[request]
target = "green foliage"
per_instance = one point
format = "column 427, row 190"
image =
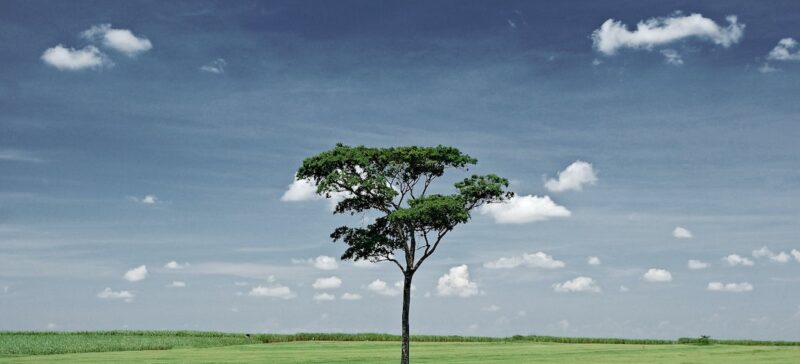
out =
column 394, row 183
column 41, row 343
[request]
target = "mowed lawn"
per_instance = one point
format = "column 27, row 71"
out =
column 429, row 352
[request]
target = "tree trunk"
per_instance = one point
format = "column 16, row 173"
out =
column 404, row 358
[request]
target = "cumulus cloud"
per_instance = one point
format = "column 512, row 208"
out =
column 324, row 262
column 593, row 261
column 796, row 255
column 382, row 288
column 613, row 35
column 71, row 59
column 301, row 190
column 764, row 252
column 535, row 260
column 177, row 284
column 324, row 297
column 327, row 283
column 786, row 50
column 146, row 200
column 579, row 284
column 697, row 264
column 657, row 275
column 350, row 296
column 276, row 291
column 574, row 177
column 524, row 209
column 216, row 66
column 136, row 274
column 122, row 40
column 730, row 287
column 108, row 294
column 735, row 260
column 456, row 283
column 175, row 265
column 681, row 233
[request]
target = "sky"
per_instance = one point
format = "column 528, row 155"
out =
column 148, row 152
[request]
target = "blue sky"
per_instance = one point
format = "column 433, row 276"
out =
column 143, row 133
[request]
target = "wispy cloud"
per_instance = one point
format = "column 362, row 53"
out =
column 730, row 287
column 787, row 49
column 13, row 155
column 216, row 66
column 108, row 294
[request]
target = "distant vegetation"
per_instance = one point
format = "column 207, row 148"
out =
column 41, row 343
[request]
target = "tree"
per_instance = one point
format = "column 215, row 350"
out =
column 395, row 184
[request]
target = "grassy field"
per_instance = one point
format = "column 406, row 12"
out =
column 195, row 347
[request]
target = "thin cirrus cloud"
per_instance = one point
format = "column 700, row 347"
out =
column 71, row 59
column 656, row 275
column 136, row 274
column 613, row 35
column 121, row 40
column 535, row 260
column 574, row 177
column 578, row 284
column 456, row 283
column 524, row 209
column 730, row 287
column 13, row 155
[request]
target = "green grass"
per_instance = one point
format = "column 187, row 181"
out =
column 438, row 352
column 191, row 346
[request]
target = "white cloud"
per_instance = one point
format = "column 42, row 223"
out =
column 324, row 262
column 574, row 177
column 136, row 274
column 697, row 264
column 121, row 40
column 491, row 308
column 456, row 283
column 177, row 284
column 108, row 294
column 276, row 291
column 327, row 283
column 623, row 289
column 380, row 287
column 324, row 297
column 593, row 261
column 613, row 35
column 781, row 257
column 216, row 66
column 657, row 275
column 735, row 259
column 730, row 287
column 71, row 59
column 146, row 200
column 787, row 49
column 672, row 57
column 175, row 265
column 796, row 255
column 301, row 190
column 361, row 263
column 524, row 209
column 350, row 296
column 579, row 284
column 766, row 68
column 535, row 260
column 681, row 233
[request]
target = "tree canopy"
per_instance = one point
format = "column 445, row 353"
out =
column 395, row 183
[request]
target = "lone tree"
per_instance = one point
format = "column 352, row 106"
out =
column 394, row 183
